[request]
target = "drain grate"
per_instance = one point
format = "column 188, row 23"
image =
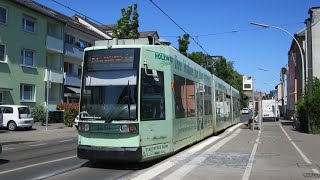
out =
column 311, row 175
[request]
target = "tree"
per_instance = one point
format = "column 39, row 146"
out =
column 127, row 27
column 199, row 57
column 183, row 44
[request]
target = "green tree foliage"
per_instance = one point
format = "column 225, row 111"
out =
column 200, row 58
column 183, row 44
column 312, row 103
column 127, row 27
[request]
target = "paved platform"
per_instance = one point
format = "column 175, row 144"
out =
column 276, row 152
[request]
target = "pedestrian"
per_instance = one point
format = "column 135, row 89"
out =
column 252, row 117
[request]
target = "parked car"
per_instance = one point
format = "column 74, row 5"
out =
column 16, row 116
column 82, row 114
column 245, row 110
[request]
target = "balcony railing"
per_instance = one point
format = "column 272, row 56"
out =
column 55, row 76
column 71, row 80
column 54, row 44
column 73, row 51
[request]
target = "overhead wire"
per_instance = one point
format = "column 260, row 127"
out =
column 234, row 31
column 178, row 26
column 85, row 16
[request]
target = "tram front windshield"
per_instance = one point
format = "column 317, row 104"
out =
column 109, row 84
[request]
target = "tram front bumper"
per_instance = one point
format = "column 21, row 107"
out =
column 110, row 154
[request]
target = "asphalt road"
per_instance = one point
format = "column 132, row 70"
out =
column 56, row 159
column 36, row 160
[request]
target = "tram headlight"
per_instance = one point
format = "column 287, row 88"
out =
column 124, row 128
column 128, row 128
column 84, row 127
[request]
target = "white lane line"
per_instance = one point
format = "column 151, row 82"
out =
column 299, row 150
column 247, row 172
column 6, row 148
column 156, row 170
column 66, row 140
column 38, row 164
column 33, row 145
column 185, row 169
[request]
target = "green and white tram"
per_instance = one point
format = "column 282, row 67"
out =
column 148, row 101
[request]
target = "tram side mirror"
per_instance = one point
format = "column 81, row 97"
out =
column 155, row 75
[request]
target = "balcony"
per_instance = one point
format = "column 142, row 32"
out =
column 54, row 44
column 55, row 77
column 73, row 51
column 71, row 80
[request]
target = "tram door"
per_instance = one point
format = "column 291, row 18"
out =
column 200, row 91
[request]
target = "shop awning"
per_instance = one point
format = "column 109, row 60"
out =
column 74, row 90
column 5, row 89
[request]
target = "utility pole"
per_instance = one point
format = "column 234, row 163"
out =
column 253, row 106
column 310, row 70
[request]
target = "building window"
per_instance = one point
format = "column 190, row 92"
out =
column 83, row 44
column 27, row 57
column 1, row 98
column 69, row 39
column 70, row 68
column 2, row 53
column 152, row 97
column 29, row 24
column 3, row 15
column 27, row 92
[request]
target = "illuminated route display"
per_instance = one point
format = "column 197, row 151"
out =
column 111, row 59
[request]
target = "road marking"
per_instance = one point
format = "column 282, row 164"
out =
column 156, row 170
column 185, row 169
column 247, row 172
column 299, row 150
column 6, row 148
column 66, row 140
column 33, row 145
column 38, row 164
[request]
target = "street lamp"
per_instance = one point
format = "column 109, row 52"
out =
column 300, row 49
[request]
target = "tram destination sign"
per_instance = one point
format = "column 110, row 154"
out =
column 110, row 59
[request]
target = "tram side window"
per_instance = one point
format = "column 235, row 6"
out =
column 152, row 97
column 180, row 97
column 191, row 112
column 207, row 101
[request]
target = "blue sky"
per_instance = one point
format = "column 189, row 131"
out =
column 209, row 21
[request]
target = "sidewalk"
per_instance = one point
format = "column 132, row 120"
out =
column 245, row 154
column 37, row 133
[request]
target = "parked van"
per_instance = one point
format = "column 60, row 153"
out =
column 15, row 116
column 270, row 109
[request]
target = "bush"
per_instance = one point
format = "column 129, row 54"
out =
column 71, row 111
column 39, row 113
column 313, row 103
column 69, row 115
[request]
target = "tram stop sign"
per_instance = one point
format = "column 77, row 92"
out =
column 247, row 83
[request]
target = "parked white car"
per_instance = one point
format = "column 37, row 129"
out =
column 83, row 115
column 245, row 111
column 15, row 116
